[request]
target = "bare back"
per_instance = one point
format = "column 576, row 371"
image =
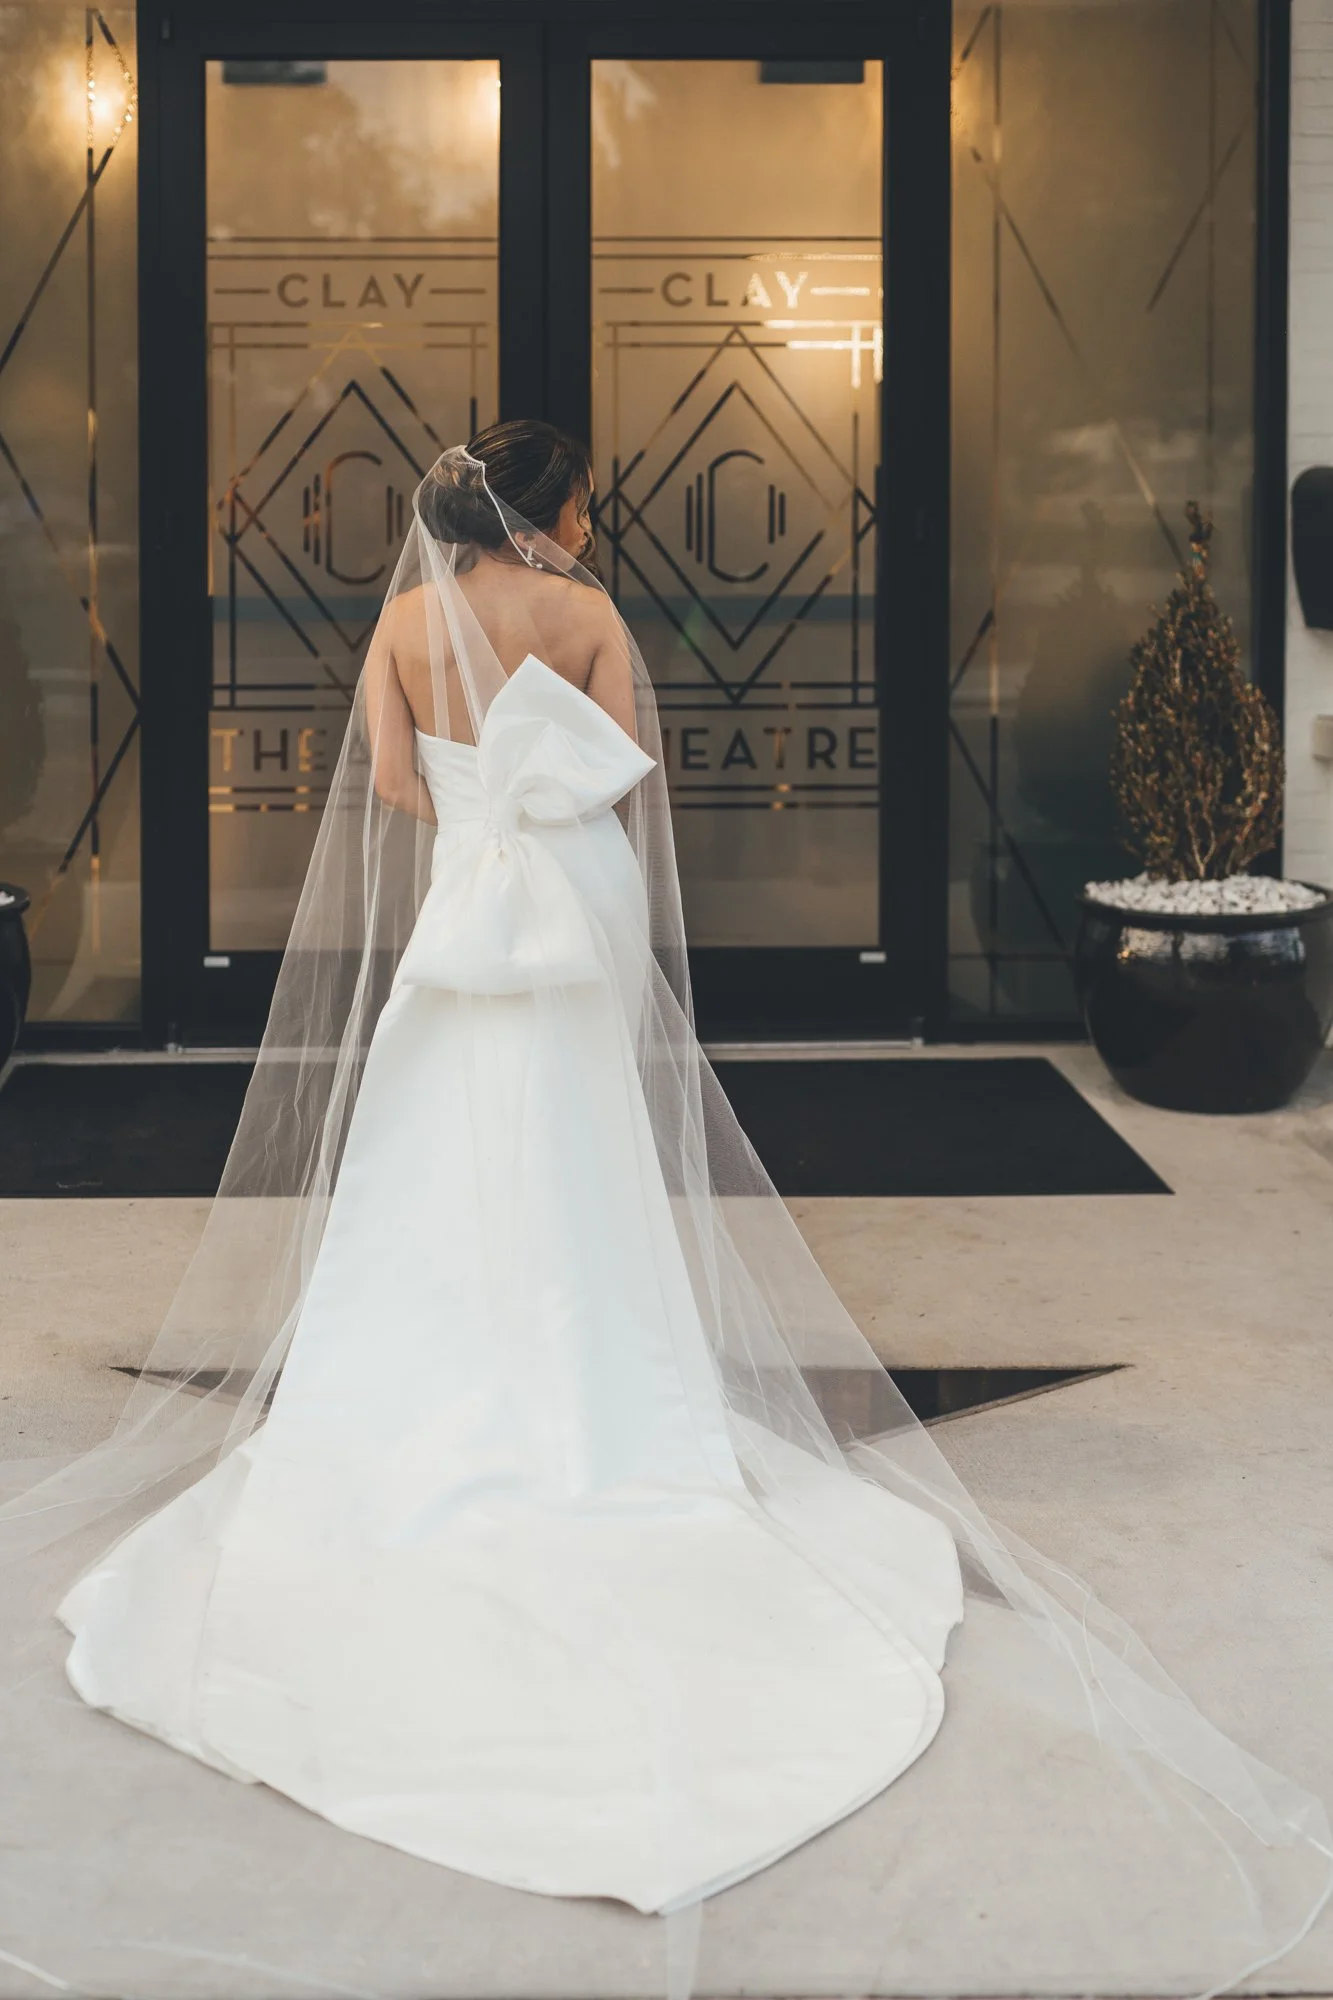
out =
column 522, row 610
column 570, row 626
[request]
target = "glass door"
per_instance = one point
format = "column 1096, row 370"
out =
column 323, row 206
column 757, row 412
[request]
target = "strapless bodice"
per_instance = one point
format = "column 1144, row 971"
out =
column 546, row 753
column 453, row 777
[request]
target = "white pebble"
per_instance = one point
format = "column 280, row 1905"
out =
column 1236, row 895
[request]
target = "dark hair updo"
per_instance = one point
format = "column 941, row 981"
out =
column 530, row 466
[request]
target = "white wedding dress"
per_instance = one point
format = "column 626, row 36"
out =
column 489, row 1584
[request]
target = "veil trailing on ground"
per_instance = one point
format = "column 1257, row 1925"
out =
column 1076, row 1826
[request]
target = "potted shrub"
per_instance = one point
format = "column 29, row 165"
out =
column 1204, row 987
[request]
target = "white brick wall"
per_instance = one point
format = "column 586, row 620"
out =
column 1308, row 848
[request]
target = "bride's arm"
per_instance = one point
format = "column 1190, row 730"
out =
column 391, row 730
column 610, row 680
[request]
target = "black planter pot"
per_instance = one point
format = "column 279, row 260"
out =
column 15, row 968
column 1207, row 1013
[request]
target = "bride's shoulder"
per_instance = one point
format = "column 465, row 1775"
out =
column 583, row 605
column 405, row 611
column 590, row 627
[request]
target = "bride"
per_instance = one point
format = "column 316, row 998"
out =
column 507, row 1484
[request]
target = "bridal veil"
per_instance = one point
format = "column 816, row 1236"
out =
column 1077, row 1825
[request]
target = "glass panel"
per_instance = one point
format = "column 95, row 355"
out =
column 352, row 218
column 737, row 306
column 69, row 642
column 1103, row 269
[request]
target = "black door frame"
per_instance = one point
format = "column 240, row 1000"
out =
column 545, row 47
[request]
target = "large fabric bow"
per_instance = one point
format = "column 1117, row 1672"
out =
column 501, row 914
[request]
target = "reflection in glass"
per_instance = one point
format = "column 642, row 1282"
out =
column 352, row 220
column 737, row 313
column 69, row 708
column 1103, row 273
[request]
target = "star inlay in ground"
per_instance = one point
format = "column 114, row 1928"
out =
column 859, row 1400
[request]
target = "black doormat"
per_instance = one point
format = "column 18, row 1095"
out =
column 107, row 1128
column 939, row 1126
column 946, row 1125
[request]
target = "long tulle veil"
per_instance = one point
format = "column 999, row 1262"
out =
column 1077, row 1825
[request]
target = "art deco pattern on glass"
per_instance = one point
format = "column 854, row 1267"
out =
column 1103, row 274
column 69, row 699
